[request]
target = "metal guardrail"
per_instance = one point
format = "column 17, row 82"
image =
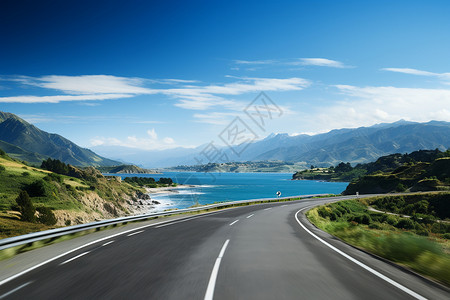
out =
column 58, row 232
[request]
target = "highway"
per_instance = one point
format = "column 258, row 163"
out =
column 266, row 251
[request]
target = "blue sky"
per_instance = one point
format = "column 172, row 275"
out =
column 156, row 75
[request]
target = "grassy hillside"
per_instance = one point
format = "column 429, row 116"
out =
column 72, row 200
column 22, row 155
column 420, row 242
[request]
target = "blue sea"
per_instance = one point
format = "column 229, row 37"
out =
column 208, row 188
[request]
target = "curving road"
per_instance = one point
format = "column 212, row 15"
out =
column 266, row 251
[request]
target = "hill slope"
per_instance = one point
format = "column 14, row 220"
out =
column 37, row 144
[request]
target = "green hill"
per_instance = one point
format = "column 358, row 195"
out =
column 418, row 171
column 20, row 154
column 84, row 196
column 34, row 145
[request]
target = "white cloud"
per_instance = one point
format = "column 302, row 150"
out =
column 321, row 62
column 205, row 97
column 103, row 87
column 366, row 106
column 61, row 98
column 168, row 140
column 443, row 76
column 92, row 84
column 152, row 134
column 150, row 142
column 255, row 62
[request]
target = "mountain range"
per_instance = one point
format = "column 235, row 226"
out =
column 358, row 145
column 24, row 141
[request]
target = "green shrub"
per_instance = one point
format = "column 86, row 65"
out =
column 54, row 177
column 405, row 224
column 391, row 220
column 46, row 216
column 361, row 218
column 25, row 174
column 2, row 168
column 37, row 189
column 400, row 188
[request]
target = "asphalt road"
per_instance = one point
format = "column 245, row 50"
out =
column 266, row 251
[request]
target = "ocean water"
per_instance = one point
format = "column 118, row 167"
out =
column 209, row 188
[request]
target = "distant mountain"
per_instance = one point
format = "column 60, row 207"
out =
column 358, row 145
column 25, row 141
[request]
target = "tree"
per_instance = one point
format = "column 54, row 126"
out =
column 26, row 207
column 343, row 167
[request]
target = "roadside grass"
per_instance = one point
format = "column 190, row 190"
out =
column 426, row 255
column 10, row 224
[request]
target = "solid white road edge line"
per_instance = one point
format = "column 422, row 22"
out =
column 376, row 273
column 250, row 216
column 15, row 290
column 137, row 232
column 212, row 280
column 73, row 258
column 81, row 247
column 231, row 224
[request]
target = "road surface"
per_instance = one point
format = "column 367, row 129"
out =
column 267, row 251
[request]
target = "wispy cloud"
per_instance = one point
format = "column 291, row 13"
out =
column 255, row 62
column 61, row 98
column 321, row 62
column 205, row 97
column 251, row 65
column 195, row 96
column 443, row 76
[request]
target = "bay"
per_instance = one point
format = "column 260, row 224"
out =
column 208, row 188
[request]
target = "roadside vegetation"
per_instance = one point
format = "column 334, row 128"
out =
column 420, row 241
